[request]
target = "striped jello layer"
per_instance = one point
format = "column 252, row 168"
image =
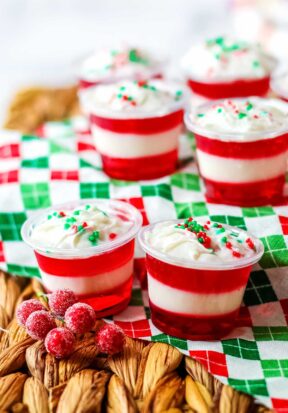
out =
column 243, row 173
column 138, row 149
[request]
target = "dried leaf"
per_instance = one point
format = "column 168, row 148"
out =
column 232, row 401
column 158, row 359
column 11, row 388
column 13, row 358
column 119, row 395
column 126, row 364
column 197, row 396
column 9, row 293
column 168, row 393
column 35, row 396
column 4, row 321
column 84, row 392
column 19, row 408
column 54, row 396
column 35, row 359
column 201, row 375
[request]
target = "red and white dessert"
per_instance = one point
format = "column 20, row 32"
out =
column 136, row 126
column 223, row 67
column 197, row 274
column 242, row 149
column 87, row 247
column 111, row 65
column 279, row 85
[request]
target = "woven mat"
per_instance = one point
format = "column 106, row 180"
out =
column 61, row 164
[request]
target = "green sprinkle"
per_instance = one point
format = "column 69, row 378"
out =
column 220, row 230
column 234, row 234
column 241, row 115
column 179, row 92
column 119, row 96
column 49, row 217
column 122, row 88
column 67, row 226
column 114, row 52
column 130, row 98
column 200, row 115
column 152, row 88
column 94, row 237
column 70, row 220
column 214, row 225
column 219, row 110
column 201, row 240
column 55, row 214
column 217, row 56
column 249, row 106
column 77, row 212
column 224, row 240
column 80, row 228
column 87, row 206
column 256, row 63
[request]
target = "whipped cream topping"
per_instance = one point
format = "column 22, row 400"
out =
column 200, row 241
column 83, row 227
column 119, row 63
column 134, row 97
column 223, row 58
column 241, row 116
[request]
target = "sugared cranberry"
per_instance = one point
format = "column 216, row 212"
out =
column 39, row 324
column 110, row 339
column 60, row 342
column 60, row 301
column 80, row 318
column 26, row 308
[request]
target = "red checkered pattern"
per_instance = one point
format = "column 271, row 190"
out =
column 280, row 404
column 2, row 257
column 135, row 329
column 9, row 177
column 84, row 146
column 284, row 224
column 214, row 362
column 10, row 151
column 139, row 204
column 65, row 175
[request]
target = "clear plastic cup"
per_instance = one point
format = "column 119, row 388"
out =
column 100, row 275
column 136, row 146
column 279, row 85
column 196, row 300
column 238, row 171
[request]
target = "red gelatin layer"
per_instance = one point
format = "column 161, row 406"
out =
column 146, row 167
column 236, row 88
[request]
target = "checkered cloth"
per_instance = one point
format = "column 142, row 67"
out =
column 61, row 164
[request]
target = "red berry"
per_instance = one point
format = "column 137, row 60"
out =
column 26, row 308
column 39, row 324
column 110, row 339
column 60, row 342
column 60, row 301
column 80, row 318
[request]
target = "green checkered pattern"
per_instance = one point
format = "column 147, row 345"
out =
column 62, row 165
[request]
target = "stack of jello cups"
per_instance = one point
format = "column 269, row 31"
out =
column 197, row 275
column 222, row 68
column 111, row 65
column 88, row 247
column 242, row 149
column 136, row 127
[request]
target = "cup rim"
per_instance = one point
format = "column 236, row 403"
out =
column 180, row 262
column 66, row 253
column 235, row 136
column 88, row 107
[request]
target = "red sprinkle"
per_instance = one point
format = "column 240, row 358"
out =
column 112, row 235
column 84, row 225
column 250, row 243
column 74, row 228
column 62, row 214
column 205, row 227
column 228, row 245
column 142, row 83
column 236, row 254
column 190, row 219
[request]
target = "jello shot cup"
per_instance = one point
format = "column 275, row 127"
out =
column 224, row 68
column 124, row 62
column 136, row 127
column 88, row 247
column 195, row 291
column 242, row 150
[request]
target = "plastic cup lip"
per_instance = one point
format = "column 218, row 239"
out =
column 69, row 253
column 194, row 265
column 89, row 107
column 275, row 85
column 270, row 61
column 236, row 136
